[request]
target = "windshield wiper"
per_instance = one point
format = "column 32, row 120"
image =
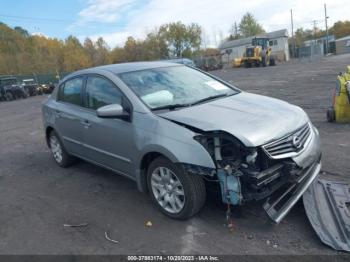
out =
column 171, row 107
column 209, row 98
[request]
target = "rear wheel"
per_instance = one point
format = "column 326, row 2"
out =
column 9, row 96
column 60, row 155
column 177, row 194
column 272, row 62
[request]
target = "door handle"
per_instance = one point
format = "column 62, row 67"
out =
column 86, row 123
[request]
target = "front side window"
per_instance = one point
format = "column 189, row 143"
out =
column 174, row 85
column 71, row 92
column 101, row 92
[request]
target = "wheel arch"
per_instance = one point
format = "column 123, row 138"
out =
column 146, row 159
column 48, row 130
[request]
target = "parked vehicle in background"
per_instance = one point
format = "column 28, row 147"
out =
column 209, row 63
column 258, row 54
column 30, row 86
column 47, row 88
column 11, row 88
column 171, row 127
column 184, row 61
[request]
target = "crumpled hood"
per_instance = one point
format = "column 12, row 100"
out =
column 253, row 119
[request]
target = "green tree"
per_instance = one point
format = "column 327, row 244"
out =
column 74, row 56
column 102, row 52
column 90, row 50
column 181, row 39
column 340, row 29
column 249, row 26
column 21, row 31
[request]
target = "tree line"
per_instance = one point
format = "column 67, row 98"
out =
column 22, row 53
column 249, row 26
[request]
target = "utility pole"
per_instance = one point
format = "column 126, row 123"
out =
column 293, row 39
column 236, row 31
column 315, row 24
column 326, row 18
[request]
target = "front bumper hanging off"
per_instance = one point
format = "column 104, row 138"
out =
column 281, row 202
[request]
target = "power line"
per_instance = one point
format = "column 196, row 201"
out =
column 36, row 18
column 42, row 20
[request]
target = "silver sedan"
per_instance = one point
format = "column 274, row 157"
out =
column 171, row 127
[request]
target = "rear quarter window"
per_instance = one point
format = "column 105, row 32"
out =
column 71, row 91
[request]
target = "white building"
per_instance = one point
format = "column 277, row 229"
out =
column 278, row 41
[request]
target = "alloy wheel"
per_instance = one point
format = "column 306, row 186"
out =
column 167, row 190
column 56, row 149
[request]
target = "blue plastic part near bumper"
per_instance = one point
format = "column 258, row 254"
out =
column 230, row 188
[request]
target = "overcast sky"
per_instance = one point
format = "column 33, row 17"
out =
column 114, row 20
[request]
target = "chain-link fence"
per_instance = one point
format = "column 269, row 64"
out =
column 43, row 78
column 311, row 52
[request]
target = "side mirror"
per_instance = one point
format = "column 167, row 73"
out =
column 112, row 111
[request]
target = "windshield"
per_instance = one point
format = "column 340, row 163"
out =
column 28, row 82
column 260, row 42
column 178, row 85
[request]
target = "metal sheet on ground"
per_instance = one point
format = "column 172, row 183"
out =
column 327, row 205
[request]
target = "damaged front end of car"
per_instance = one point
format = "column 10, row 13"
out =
column 279, row 171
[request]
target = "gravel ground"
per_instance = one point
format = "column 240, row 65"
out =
column 37, row 197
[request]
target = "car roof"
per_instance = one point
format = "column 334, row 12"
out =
column 128, row 67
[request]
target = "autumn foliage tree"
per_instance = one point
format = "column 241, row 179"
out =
column 22, row 53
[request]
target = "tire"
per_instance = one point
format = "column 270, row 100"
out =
column 24, row 95
column 26, row 92
column 9, row 96
column 272, row 62
column 191, row 192
column 330, row 115
column 61, row 157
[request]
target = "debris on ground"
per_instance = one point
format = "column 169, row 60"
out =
column 327, row 205
column 78, row 225
column 110, row 239
column 148, row 224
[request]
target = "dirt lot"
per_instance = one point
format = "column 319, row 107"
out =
column 37, row 197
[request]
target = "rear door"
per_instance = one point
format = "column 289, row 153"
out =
column 109, row 141
column 69, row 123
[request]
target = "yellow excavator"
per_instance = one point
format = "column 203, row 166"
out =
column 258, row 54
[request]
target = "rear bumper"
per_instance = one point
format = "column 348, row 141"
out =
column 283, row 202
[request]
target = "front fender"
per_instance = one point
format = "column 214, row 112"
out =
column 171, row 140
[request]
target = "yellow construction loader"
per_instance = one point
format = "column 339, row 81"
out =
column 340, row 109
column 258, row 54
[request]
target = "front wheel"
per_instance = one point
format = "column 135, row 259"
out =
column 176, row 193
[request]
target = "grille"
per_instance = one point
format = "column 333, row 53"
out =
column 289, row 145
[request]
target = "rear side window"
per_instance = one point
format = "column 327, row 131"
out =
column 101, row 92
column 71, row 92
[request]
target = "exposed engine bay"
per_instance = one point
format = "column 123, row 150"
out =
column 248, row 174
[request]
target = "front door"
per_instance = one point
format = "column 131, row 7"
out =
column 109, row 141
